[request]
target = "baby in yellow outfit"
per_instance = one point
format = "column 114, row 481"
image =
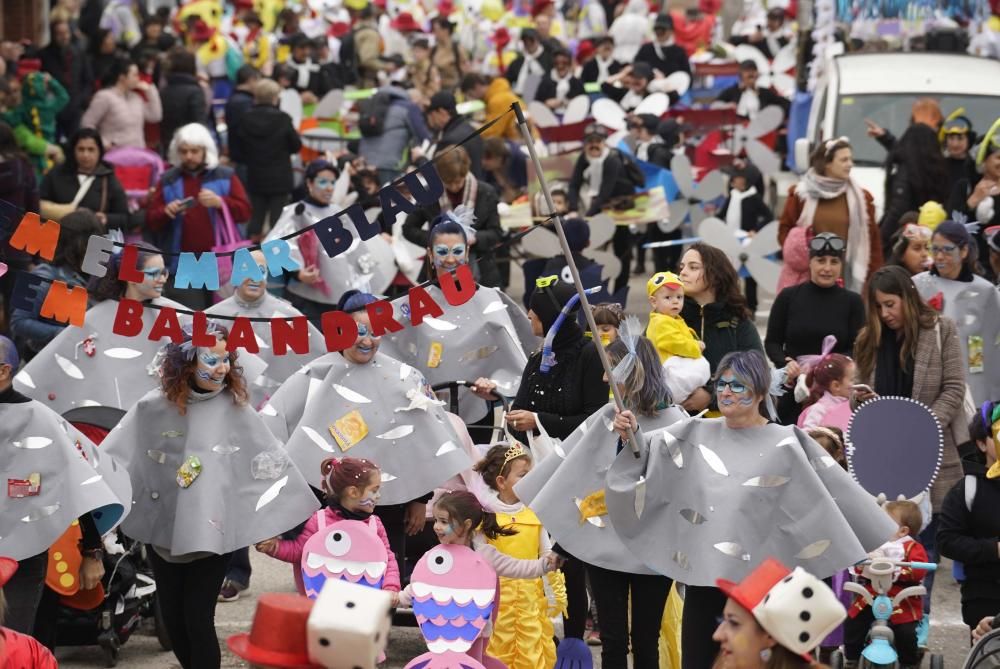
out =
column 680, row 351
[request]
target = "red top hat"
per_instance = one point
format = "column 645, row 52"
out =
column 278, row 636
column 338, row 29
column 405, row 23
column 445, row 8
column 584, row 50
column 539, row 6
column 751, row 591
column 202, row 32
column 7, row 568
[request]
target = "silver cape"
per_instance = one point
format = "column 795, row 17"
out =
column 705, row 502
column 378, row 411
column 279, row 367
column 975, row 308
column 121, row 370
column 556, row 488
column 75, row 478
column 248, row 490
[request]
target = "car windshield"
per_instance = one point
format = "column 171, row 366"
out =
column 892, row 112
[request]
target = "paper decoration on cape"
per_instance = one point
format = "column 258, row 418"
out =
column 975, row 308
column 335, row 408
column 608, row 113
column 746, row 138
column 749, row 255
column 454, row 592
column 545, row 244
column 54, row 475
column 154, row 440
column 656, row 104
column 349, row 550
column 716, row 501
column 290, row 102
column 331, row 105
column 576, row 109
column 678, row 82
column 693, row 196
column 777, row 74
column 894, row 447
column 552, row 486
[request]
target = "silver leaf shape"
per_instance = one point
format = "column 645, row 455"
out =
column 32, row 443
column 479, row 353
column 823, row 462
column 494, row 306
column 674, row 449
column 122, row 353
column 713, row 460
column 682, row 560
column 350, row 395
column 446, row 447
column 223, row 449
column 733, row 549
column 26, row 379
column 815, row 549
column 217, row 525
column 318, row 439
column 41, row 512
column 158, row 457
column 268, row 410
column 271, row 493
column 787, row 441
column 692, row 516
column 397, row 432
column 386, row 477
column 640, row 496
column 92, row 479
column 766, row 481
column 71, row 370
column 438, row 324
column 404, row 371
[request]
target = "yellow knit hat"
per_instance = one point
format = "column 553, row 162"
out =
column 661, row 279
column 932, row 214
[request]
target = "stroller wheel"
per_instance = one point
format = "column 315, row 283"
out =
column 836, row 660
column 161, row 627
column 111, row 647
column 937, row 661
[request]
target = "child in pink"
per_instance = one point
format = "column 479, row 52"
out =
column 829, row 402
column 352, row 491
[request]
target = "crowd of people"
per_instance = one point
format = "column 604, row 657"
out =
column 186, row 130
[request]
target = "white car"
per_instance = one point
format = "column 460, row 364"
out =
column 882, row 87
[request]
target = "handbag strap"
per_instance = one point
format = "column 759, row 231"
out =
column 82, row 191
column 226, row 232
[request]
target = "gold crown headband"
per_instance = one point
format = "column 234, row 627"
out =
column 514, row 452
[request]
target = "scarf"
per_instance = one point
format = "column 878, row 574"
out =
column 595, row 172
column 734, row 214
column 562, row 85
column 529, row 67
column 658, row 48
column 811, row 189
column 749, row 103
column 304, row 71
column 603, row 67
column 348, row 515
column 469, row 193
column 642, row 149
column 309, row 246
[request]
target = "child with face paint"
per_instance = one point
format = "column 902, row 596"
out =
column 352, row 492
column 608, row 318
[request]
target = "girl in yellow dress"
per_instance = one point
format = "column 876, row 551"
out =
column 523, row 633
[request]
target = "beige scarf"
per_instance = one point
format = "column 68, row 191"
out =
column 811, row 189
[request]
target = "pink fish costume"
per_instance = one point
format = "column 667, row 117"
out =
column 350, row 550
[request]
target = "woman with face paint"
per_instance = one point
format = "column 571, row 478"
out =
column 366, row 401
column 708, row 498
column 567, row 494
column 953, row 287
column 208, row 478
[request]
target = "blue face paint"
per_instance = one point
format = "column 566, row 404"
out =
column 213, row 360
column 736, row 387
column 154, row 273
column 206, row 376
column 442, row 252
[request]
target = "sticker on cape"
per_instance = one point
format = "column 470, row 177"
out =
column 188, row 472
column 348, row 550
column 434, row 356
column 29, row 487
column 349, row 430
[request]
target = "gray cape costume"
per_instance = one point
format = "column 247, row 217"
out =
column 705, row 502
column 121, row 370
column 975, row 308
column 279, row 367
column 557, row 487
column 247, row 490
column 335, row 408
column 75, row 478
column 488, row 336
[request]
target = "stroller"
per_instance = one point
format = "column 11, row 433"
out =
column 130, row 591
column 986, row 653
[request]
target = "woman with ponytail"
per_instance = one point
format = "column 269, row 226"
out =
column 828, row 378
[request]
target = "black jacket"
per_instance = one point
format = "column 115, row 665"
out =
column 455, row 131
column 572, row 390
column 183, row 102
column 767, row 97
column 267, row 141
column 614, row 183
column 970, row 537
column 487, row 226
column 674, row 58
column 514, row 69
column 547, row 89
column 590, row 71
column 761, row 46
column 238, row 104
column 61, row 184
column 901, row 196
column 754, row 212
column 71, row 68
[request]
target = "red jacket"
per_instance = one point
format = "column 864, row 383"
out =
column 910, row 609
column 20, row 651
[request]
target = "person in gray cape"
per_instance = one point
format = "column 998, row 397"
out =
column 363, row 403
column 208, row 478
column 566, row 491
column 55, row 476
column 711, row 498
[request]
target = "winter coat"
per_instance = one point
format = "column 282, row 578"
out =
column 106, row 194
column 239, row 103
column 267, row 141
column 183, row 102
column 455, row 131
column 404, row 126
column 547, row 89
column 902, row 196
column 674, row 58
column 498, row 98
column 614, row 183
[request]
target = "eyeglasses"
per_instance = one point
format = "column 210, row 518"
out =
column 946, row 249
column 443, row 250
column 826, row 243
column 154, row 273
column 212, row 360
column 734, row 386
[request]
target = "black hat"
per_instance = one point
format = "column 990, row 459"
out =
column 550, row 296
column 663, row 22
column 642, row 70
column 744, row 169
column 442, row 100
column 651, row 122
column 776, row 13
column 299, row 40
column 530, row 33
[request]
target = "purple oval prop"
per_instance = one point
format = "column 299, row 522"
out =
column 894, row 447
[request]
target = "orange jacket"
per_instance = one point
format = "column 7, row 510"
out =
column 499, row 98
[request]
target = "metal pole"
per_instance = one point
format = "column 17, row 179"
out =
column 577, row 282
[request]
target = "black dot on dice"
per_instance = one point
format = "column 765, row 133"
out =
column 766, row 598
column 804, row 637
column 805, row 616
column 807, row 592
column 350, row 605
column 439, row 560
column 337, row 536
column 324, row 642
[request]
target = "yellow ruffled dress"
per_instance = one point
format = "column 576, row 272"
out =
column 523, row 633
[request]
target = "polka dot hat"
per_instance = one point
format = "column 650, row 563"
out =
column 793, row 606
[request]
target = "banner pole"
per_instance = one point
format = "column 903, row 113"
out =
column 577, row 282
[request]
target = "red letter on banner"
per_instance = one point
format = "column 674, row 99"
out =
column 460, row 293
column 422, row 305
column 127, row 271
column 241, row 335
column 34, row 237
column 339, row 330
column 65, row 304
column 128, row 318
column 166, row 325
column 290, row 333
column 380, row 314
column 199, row 331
